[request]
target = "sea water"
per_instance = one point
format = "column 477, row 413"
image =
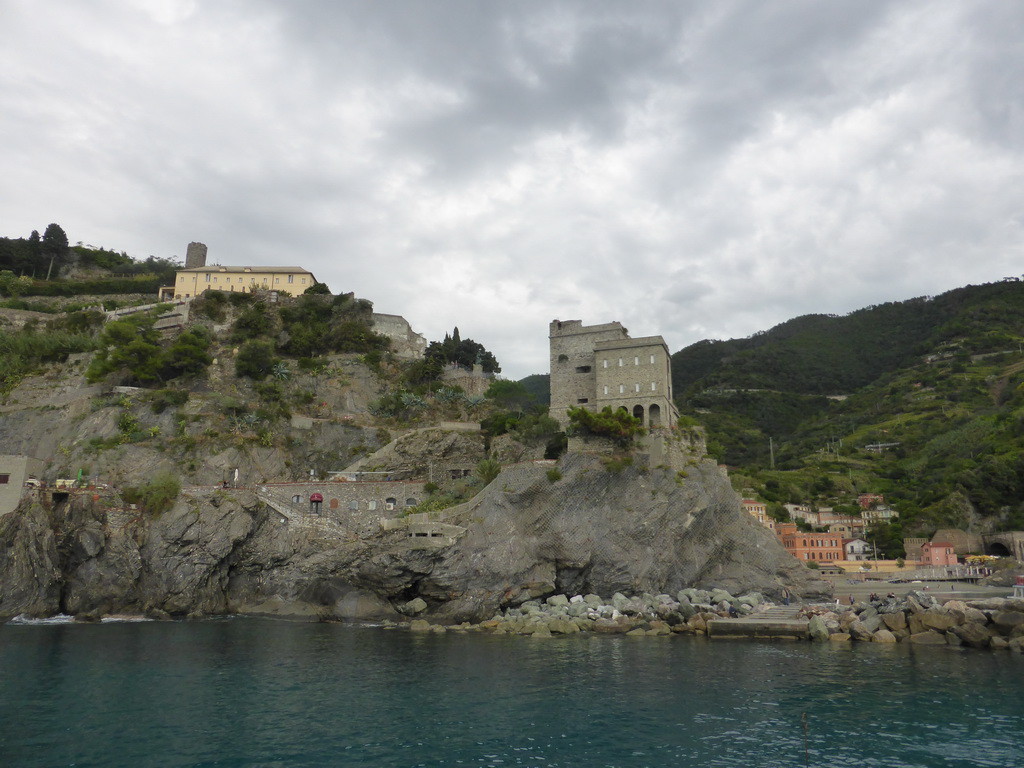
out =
column 245, row 692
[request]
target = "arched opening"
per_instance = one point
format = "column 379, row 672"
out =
column 390, row 502
column 638, row 413
column 998, row 549
column 624, row 409
column 334, row 503
column 654, row 415
column 315, row 500
column 410, row 502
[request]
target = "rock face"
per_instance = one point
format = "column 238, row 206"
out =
column 597, row 529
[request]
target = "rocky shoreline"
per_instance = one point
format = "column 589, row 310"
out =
column 917, row 619
column 920, row 619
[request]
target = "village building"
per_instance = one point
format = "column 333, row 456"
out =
column 759, row 511
column 857, row 550
column 196, row 278
column 600, row 365
column 938, row 553
column 15, row 470
column 810, row 547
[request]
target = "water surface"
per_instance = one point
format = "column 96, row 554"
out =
column 263, row 693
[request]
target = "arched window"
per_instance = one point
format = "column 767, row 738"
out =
column 410, row 502
column 638, row 413
column 390, row 503
column 654, row 415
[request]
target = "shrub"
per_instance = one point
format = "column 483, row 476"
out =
column 487, row 470
column 616, row 425
column 162, row 399
column 255, row 359
column 155, row 497
column 554, row 475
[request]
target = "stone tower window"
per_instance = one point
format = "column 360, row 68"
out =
column 620, row 362
column 582, row 369
column 654, row 386
column 583, row 400
column 605, row 362
column 652, row 359
column 606, row 388
column 622, row 388
column 637, row 387
column 636, row 361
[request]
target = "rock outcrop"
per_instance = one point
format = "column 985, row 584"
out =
column 590, row 527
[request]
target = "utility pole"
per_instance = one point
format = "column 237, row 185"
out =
column 771, row 451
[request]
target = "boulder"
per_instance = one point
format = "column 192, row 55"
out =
column 928, row 637
column 839, row 637
column 1016, row 645
column 895, row 621
column 858, row 631
column 817, row 630
column 557, row 601
column 1006, row 621
column 883, row 636
column 419, row 625
column 972, row 634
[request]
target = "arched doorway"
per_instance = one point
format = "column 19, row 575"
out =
column 654, row 415
column 638, row 413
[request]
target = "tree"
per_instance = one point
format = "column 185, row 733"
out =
column 255, row 359
column 464, row 352
column 618, row 426
column 55, row 246
column 317, row 289
column 13, row 286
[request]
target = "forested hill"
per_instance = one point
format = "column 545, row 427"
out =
column 931, row 413
column 830, row 354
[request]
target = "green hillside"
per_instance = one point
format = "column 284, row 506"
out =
column 936, row 385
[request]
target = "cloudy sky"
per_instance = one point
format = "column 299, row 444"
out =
column 694, row 169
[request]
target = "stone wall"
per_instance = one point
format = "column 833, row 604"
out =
column 573, row 378
column 14, row 470
column 404, row 340
column 195, row 255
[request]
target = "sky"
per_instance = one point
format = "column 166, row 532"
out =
column 698, row 170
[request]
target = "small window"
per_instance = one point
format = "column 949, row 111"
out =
column 207, row 277
column 652, row 359
column 654, row 386
column 277, row 280
column 296, row 499
column 371, row 505
column 622, row 388
column 637, row 388
column 354, row 506
column 390, row 503
column 291, row 278
column 636, row 361
column 604, row 362
column 5, row 479
column 582, row 369
column 620, row 362
column 583, row 400
column 606, row 389
column 410, row 502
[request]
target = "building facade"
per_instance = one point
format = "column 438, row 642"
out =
column 14, row 471
column 759, row 511
column 189, row 283
column 938, row 553
column 600, row 365
column 810, row 547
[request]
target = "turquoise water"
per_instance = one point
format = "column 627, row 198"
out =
column 262, row 693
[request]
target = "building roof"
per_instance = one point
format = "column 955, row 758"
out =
column 643, row 341
column 218, row 268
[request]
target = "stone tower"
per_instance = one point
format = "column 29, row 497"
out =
column 195, row 256
column 599, row 365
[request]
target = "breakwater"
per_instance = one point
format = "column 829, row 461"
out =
column 917, row 618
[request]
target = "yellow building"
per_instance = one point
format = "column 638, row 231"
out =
column 195, row 281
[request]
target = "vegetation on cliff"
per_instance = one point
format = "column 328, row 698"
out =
column 922, row 401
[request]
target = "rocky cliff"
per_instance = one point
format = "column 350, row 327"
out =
column 585, row 525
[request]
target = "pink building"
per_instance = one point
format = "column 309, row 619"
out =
column 938, row 553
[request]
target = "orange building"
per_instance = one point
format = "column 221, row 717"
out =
column 805, row 546
column 938, row 553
